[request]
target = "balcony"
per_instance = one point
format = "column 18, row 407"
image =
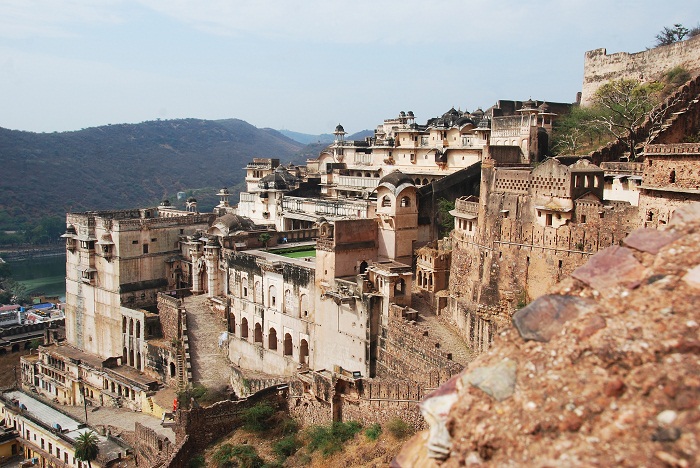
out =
column 358, row 182
column 467, row 207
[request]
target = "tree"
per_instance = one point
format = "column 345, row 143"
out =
column 576, row 132
column 622, row 105
column 446, row 221
column 264, row 238
column 86, row 448
column 670, row 35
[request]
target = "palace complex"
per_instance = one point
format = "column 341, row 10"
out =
column 334, row 279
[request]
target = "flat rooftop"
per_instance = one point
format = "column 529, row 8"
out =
column 70, row 427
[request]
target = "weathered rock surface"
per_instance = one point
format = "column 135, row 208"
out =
column 546, row 316
column 617, row 385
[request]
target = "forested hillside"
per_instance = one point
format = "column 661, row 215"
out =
column 44, row 175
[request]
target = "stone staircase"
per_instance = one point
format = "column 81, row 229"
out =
column 208, row 366
column 669, row 121
column 449, row 339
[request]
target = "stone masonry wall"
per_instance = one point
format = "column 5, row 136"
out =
column 169, row 312
column 409, row 352
column 599, row 67
column 673, row 166
column 203, row 425
column 367, row 401
column 512, row 259
column 150, row 448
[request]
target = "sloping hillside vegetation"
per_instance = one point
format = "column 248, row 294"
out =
column 124, row 166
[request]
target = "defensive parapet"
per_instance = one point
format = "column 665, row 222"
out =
column 599, row 67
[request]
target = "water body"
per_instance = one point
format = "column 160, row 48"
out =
column 46, row 275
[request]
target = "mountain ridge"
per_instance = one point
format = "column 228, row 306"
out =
column 127, row 165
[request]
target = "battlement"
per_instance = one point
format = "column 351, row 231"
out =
column 600, row 67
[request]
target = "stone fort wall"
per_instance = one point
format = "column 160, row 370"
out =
column 513, row 259
column 599, row 67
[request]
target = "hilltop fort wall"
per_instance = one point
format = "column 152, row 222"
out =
column 600, row 67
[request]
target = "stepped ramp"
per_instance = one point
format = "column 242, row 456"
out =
column 210, row 365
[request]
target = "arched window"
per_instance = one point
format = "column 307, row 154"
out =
column 303, row 352
column 417, row 181
column 288, row 302
column 258, row 293
column 272, row 339
column 138, row 329
column 257, row 335
column 138, row 361
column 272, row 298
column 400, row 288
column 123, row 324
column 425, row 181
column 405, row 201
column 287, row 344
column 386, row 201
column 304, row 305
column 131, row 327
column 672, row 177
column 244, row 327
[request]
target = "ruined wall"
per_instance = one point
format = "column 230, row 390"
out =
column 150, row 448
column 204, row 425
column 408, row 351
column 599, row 67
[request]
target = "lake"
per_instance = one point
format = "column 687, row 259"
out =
column 45, row 275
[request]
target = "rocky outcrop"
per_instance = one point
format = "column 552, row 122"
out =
column 604, row 370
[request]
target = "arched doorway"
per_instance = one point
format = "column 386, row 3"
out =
column 172, row 370
column 257, row 335
column 244, row 327
column 287, row 344
column 272, row 339
column 303, row 352
column 363, row 267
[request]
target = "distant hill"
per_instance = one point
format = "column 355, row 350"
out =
column 127, row 165
column 306, row 139
column 324, row 138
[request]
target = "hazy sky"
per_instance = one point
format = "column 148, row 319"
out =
column 302, row 65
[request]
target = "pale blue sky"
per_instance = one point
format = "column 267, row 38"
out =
column 301, row 65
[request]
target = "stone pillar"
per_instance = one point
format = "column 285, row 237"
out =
column 211, row 256
column 196, row 286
